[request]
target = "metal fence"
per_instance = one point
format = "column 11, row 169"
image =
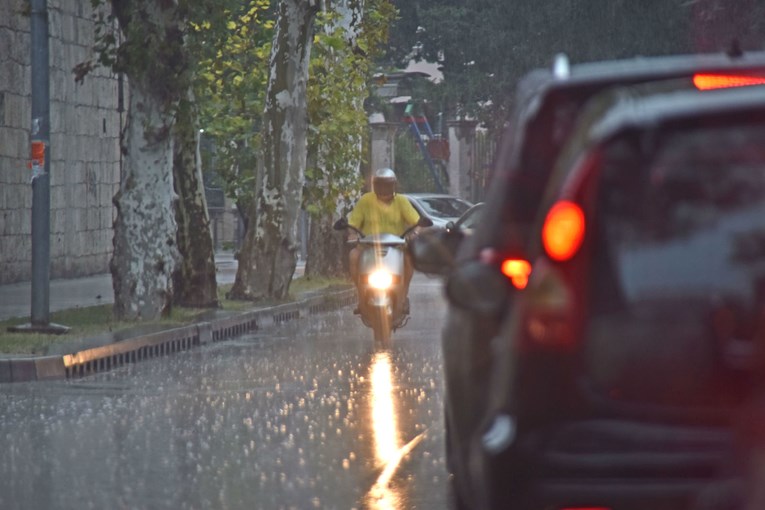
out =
column 415, row 176
column 413, row 173
column 483, row 157
column 227, row 229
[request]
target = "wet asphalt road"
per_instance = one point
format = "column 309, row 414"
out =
column 309, row 415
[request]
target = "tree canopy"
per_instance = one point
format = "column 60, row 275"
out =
column 340, row 75
column 230, row 88
column 485, row 46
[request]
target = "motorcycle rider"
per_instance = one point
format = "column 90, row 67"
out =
column 382, row 211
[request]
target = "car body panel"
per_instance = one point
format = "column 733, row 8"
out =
column 642, row 418
column 549, row 105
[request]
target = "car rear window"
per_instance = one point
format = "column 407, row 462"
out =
column 542, row 139
column 678, row 273
column 526, row 169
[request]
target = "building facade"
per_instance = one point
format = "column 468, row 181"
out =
column 84, row 146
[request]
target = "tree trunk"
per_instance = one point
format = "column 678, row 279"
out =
column 267, row 259
column 327, row 250
column 145, row 252
column 194, row 279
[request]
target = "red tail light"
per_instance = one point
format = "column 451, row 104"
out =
column 724, row 81
column 563, row 230
column 518, row 271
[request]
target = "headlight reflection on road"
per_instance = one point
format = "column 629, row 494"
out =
column 384, row 424
column 385, row 433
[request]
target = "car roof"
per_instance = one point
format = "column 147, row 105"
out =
column 636, row 112
column 539, row 97
column 538, row 83
column 635, row 109
column 546, row 89
column 665, row 66
column 537, row 89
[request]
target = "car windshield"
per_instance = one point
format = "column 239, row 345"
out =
column 679, row 266
column 444, row 207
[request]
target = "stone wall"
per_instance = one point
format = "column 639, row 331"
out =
column 461, row 157
column 84, row 145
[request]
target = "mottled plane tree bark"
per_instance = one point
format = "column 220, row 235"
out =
column 145, row 248
column 159, row 144
column 267, row 258
column 194, row 280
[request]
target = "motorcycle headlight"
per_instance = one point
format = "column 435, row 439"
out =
column 380, row 279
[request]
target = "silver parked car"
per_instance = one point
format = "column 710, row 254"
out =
column 439, row 208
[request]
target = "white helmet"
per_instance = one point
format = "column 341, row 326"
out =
column 384, row 181
column 385, row 173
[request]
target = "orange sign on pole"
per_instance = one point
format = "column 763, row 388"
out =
column 38, row 153
column 37, row 160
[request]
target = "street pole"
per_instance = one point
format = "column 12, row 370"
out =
column 40, row 165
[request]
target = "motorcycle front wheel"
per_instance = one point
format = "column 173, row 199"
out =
column 382, row 327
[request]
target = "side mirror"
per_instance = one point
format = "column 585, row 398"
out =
column 434, row 251
column 424, row 222
column 340, row 224
column 476, row 287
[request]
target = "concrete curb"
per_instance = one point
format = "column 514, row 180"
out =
column 162, row 343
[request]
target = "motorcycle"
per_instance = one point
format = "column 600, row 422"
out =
column 381, row 280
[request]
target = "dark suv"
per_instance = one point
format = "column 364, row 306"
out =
column 622, row 365
column 480, row 297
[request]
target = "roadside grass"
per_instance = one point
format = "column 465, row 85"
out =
column 92, row 321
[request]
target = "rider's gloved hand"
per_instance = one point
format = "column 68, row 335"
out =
column 414, row 233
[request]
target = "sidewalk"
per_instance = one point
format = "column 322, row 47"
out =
column 16, row 298
column 78, row 357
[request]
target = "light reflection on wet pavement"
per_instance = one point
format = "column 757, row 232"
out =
column 308, row 416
